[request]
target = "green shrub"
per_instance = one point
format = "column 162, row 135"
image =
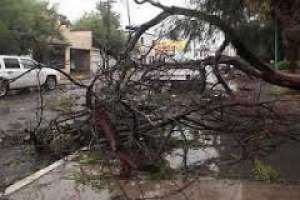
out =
column 161, row 171
column 97, row 182
column 91, row 158
column 265, row 173
column 284, row 65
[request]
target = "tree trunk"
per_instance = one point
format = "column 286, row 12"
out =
column 287, row 12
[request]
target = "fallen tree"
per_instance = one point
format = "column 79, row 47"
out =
column 133, row 124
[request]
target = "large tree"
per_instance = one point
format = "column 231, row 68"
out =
column 286, row 14
column 248, row 61
column 242, row 16
column 25, row 24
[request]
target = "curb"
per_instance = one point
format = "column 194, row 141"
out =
column 30, row 179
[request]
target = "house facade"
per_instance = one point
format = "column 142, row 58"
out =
column 75, row 54
column 81, row 58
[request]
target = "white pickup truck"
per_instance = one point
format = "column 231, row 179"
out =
column 18, row 72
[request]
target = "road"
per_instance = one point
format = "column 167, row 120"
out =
column 18, row 111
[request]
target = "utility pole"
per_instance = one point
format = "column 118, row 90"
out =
column 276, row 60
column 107, row 21
column 128, row 12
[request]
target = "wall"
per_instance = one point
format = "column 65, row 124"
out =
column 95, row 60
column 77, row 40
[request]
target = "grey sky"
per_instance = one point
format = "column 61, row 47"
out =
column 74, row 9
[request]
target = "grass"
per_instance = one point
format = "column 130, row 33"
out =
column 265, row 173
column 93, row 175
column 95, row 181
column 161, row 171
column 90, row 158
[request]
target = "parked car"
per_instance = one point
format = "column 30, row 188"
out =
column 18, row 72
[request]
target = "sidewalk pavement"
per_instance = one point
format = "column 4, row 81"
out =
column 54, row 183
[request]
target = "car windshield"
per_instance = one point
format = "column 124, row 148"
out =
column 27, row 63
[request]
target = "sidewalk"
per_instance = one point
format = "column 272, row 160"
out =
column 54, row 183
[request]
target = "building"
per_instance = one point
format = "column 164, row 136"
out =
column 75, row 53
column 153, row 50
column 81, row 58
column 159, row 52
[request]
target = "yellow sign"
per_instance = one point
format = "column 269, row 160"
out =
column 169, row 47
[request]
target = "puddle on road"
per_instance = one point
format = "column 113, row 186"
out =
column 210, row 157
column 194, row 157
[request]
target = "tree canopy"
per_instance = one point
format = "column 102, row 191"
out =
column 246, row 17
column 258, row 17
column 24, row 24
column 105, row 25
column 247, row 60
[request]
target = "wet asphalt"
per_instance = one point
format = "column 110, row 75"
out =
column 19, row 111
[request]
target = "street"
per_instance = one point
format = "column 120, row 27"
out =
column 19, row 111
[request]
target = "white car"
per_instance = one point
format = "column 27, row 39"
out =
column 18, row 72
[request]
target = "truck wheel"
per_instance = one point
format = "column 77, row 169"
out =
column 50, row 83
column 3, row 88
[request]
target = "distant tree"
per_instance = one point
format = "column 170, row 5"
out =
column 105, row 25
column 25, row 24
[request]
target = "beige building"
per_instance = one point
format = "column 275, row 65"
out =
column 75, row 54
column 81, row 58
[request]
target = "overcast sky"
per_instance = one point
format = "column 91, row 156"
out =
column 74, row 9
